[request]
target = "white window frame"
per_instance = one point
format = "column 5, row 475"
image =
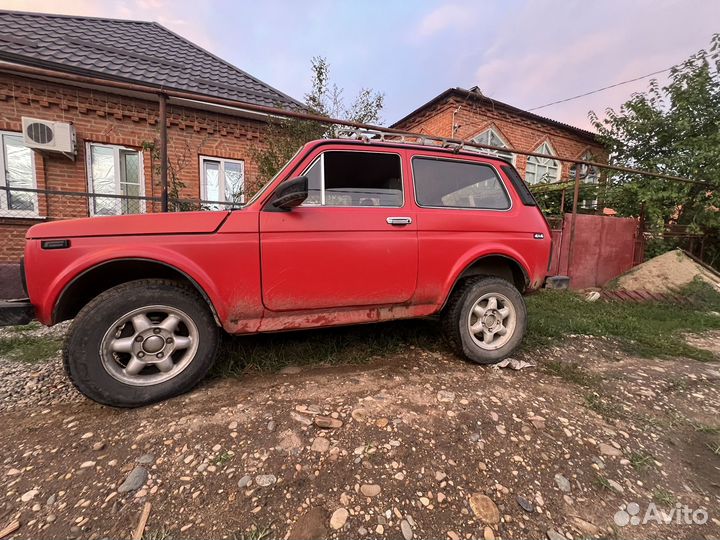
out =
column 542, row 162
column 588, row 204
column 116, row 167
column 487, row 151
column 221, row 178
column 4, row 205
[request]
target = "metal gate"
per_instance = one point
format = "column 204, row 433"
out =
column 604, row 247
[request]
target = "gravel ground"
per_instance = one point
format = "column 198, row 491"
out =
column 34, row 384
column 417, row 445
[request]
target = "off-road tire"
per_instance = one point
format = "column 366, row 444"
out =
column 81, row 351
column 457, row 310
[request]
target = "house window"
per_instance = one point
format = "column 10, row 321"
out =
column 115, row 170
column 355, row 179
column 18, row 172
column 589, row 174
column 492, row 138
column 222, row 181
column 542, row 169
column 458, row 184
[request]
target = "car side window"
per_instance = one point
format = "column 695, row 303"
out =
column 341, row 178
column 458, row 184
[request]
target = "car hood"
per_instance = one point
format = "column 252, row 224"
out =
column 169, row 223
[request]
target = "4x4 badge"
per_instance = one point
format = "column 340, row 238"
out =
column 538, row 236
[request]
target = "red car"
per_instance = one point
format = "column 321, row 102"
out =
column 348, row 232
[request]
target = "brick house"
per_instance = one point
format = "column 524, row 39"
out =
column 469, row 115
column 209, row 146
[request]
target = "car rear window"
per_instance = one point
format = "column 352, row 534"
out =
column 520, row 187
column 458, row 184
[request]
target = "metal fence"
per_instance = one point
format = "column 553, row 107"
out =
column 591, row 189
column 610, row 181
column 658, row 204
column 28, row 203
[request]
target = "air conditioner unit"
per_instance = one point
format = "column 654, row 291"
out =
column 49, row 136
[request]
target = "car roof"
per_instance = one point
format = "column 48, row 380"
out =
column 450, row 153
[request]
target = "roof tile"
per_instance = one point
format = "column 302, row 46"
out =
column 136, row 51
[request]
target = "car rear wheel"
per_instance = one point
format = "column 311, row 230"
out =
column 141, row 342
column 485, row 319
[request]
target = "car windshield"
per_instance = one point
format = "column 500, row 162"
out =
column 269, row 182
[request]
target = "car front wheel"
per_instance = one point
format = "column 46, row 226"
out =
column 141, row 342
column 485, row 319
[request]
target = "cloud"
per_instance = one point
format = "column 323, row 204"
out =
column 554, row 53
column 442, row 18
column 523, row 52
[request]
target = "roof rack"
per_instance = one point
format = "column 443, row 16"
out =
column 368, row 135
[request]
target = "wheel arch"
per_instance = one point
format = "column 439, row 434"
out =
column 102, row 276
column 500, row 265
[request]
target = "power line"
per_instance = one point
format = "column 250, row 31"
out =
column 601, row 89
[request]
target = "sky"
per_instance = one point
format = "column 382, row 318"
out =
column 524, row 52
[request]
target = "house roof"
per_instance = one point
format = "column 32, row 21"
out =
column 131, row 51
column 475, row 94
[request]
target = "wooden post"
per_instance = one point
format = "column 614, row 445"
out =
column 576, row 197
column 140, row 529
column 163, row 154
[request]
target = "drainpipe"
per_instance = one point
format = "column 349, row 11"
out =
column 453, row 127
column 163, row 154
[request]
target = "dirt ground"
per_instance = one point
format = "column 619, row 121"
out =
column 422, row 445
column 669, row 272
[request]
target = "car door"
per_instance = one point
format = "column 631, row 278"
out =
column 464, row 209
column 353, row 242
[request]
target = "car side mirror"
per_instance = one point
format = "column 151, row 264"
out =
column 290, row 194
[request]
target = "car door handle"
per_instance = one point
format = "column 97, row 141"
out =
column 399, row 220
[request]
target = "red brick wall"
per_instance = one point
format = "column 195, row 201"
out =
column 112, row 119
column 12, row 238
column 521, row 132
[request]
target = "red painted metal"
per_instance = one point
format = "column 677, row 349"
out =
column 557, row 245
column 309, row 267
column 131, row 225
column 604, row 248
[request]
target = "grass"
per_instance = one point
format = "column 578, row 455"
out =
column 714, row 448
column 704, row 428
column 21, row 329
column 603, row 483
column 703, row 295
column 664, row 497
column 571, row 373
column 222, row 458
column 641, row 460
column 156, row 534
column 678, row 385
column 29, row 348
column 255, row 533
column 604, row 406
column 647, row 329
column 347, row 345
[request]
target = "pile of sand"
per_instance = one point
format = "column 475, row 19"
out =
column 668, row 272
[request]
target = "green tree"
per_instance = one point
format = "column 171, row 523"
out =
column 672, row 129
column 285, row 136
